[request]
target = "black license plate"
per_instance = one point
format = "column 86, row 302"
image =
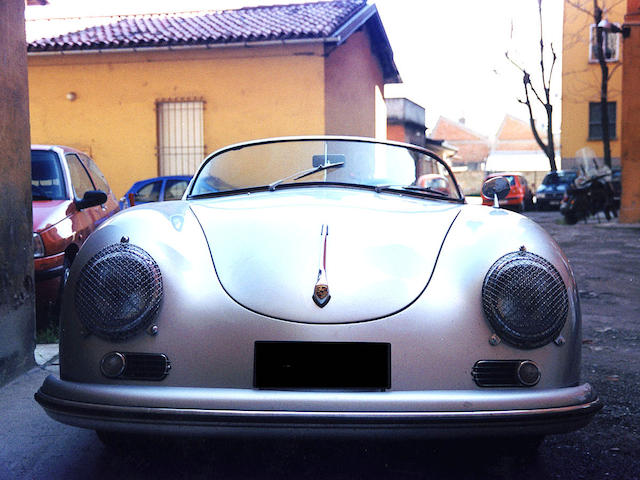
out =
column 331, row 365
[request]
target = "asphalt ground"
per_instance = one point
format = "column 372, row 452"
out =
column 605, row 258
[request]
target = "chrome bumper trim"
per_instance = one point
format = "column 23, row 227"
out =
column 145, row 418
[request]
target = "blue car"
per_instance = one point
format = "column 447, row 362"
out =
column 156, row 189
column 549, row 194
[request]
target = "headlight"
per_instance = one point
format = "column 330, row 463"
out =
column 38, row 246
column 118, row 292
column 525, row 299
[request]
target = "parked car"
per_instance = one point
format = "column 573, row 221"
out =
column 553, row 187
column 156, row 189
column 321, row 291
column 520, row 198
column 71, row 198
column 435, row 182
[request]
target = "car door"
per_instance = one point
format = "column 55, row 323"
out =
column 83, row 221
column 111, row 206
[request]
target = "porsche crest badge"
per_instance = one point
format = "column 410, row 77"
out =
column 321, row 295
column 321, row 290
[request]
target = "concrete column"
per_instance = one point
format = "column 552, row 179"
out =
column 17, row 315
column 630, row 136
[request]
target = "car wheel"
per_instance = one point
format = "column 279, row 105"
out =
column 66, row 269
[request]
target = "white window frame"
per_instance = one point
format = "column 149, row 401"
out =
column 180, row 135
column 613, row 39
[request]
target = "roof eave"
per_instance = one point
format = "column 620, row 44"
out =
column 194, row 46
column 382, row 47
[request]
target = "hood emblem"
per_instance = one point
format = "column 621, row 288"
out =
column 321, row 290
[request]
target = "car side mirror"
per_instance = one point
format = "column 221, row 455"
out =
column 92, row 198
column 496, row 188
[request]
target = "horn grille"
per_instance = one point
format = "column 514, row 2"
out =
column 525, row 299
column 118, row 292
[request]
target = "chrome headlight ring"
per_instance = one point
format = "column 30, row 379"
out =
column 525, row 299
column 118, row 292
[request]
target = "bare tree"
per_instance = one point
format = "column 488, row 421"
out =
column 605, row 75
column 545, row 100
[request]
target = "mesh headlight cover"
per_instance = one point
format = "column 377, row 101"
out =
column 525, row 299
column 118, row 292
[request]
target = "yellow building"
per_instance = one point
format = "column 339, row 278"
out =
column 152, row 95
column 581, row 80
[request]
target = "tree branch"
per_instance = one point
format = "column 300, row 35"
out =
column 577, row 6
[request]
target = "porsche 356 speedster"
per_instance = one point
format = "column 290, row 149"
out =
column 315, row 284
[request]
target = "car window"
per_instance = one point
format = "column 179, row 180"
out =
column 98, row 177
column 149, row 193
column 47, row 178
column 510, row 178
column 174, row 189
column 79, row 177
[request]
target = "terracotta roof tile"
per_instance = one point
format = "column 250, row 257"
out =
column 278, row 22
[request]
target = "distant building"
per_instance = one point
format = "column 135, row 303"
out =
column 472, row 148
column 406, row 123
column 516, row 149
column 581, row 116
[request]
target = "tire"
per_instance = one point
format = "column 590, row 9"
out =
column 524, row 447
column 66, row 268
column 121, row 442
column 570, row 218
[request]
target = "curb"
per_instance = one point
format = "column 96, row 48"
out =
column 46, row 353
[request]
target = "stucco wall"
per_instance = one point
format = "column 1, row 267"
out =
column 353, row 86
column 581, row 82
column 16, row 255
column 249, row 93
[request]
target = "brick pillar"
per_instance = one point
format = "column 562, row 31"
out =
column 630, row 136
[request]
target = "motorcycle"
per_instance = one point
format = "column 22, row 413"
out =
column 588, row 197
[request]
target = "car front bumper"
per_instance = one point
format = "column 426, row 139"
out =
column 213, row 411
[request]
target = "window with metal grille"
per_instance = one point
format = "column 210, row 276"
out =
column 180, row 136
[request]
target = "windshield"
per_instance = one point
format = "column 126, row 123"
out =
column 276, row 163
column 46, row 176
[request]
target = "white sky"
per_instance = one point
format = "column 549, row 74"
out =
column 450, row 53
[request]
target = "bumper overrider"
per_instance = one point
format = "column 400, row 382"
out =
column 217, row 411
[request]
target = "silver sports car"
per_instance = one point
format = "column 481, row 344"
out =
column 320, row 285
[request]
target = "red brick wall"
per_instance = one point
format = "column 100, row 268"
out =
column 630, row 136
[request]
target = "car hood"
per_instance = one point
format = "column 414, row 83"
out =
column 381, row 250
column 47, row 213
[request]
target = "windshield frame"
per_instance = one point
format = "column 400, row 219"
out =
column 320, row 138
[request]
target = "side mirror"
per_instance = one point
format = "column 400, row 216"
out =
column 92, row 198
column 496, row 188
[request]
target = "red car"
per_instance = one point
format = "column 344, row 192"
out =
column 520, row 197
column 71, row 198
